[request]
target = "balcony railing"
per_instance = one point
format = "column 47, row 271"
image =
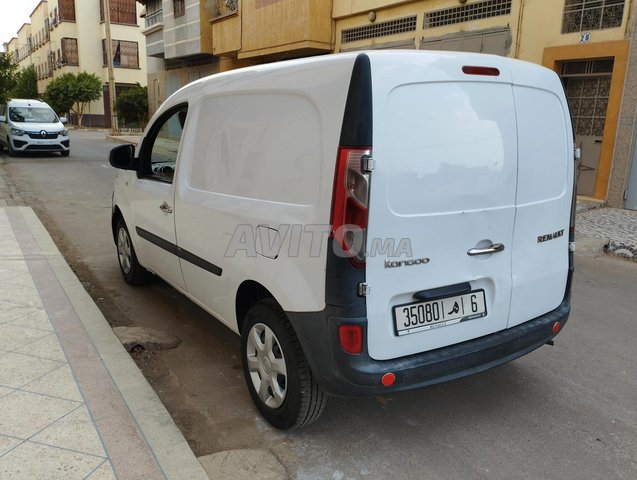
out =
column 154, row 18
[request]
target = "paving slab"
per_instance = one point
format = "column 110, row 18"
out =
column 73, row 404
column 618, row 227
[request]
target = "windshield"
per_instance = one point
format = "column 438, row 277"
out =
column 32, row 115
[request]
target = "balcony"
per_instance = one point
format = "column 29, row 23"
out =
column 263, row 29
column 154, row 18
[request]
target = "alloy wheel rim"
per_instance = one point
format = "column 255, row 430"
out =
column 124, row 250
column 266, row 365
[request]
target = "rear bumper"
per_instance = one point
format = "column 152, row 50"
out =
column 343, row 374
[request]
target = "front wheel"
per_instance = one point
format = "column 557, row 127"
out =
column 132, row 271
column 279, row 378
column 65, row 153
column 12, row 152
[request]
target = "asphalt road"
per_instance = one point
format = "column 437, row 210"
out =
column 563, row 412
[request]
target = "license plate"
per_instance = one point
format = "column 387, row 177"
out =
column 416, row 317
column 42, row 142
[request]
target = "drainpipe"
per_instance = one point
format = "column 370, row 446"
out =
column 518, row 36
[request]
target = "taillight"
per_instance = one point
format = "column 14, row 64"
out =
column 351, row 338
column 487, row 71
column 350, row 203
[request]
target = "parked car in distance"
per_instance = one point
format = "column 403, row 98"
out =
column 32, row 126
column 367, row 222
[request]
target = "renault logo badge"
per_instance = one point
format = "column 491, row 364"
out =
column 43, row 133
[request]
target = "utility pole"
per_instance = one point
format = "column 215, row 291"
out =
column 109, row 64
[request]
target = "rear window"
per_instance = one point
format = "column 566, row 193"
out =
column 448, row 147
column 32, row 115
column 543, row 139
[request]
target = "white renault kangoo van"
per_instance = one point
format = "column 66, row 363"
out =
column 32, row 126
column 367, row 222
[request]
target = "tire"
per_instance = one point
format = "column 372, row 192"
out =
column 292, row 398
column 132, row 271
column 65, row 153
column 12, row 152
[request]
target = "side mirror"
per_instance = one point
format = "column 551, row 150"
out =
column 3, row 119
column 123, row 157
column 64, row 120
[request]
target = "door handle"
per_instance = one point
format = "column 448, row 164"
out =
column 495, row 248
column 164, row 207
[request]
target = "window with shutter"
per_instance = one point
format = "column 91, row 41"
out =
column 122, row 11
column 67, row 10
column 70, row 54
column 125, row 54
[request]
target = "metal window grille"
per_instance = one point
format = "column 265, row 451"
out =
column 587, row 90
column 221, row 8
column 582, row 15
column 381, row 29
column 588, row 67
column 466, row 13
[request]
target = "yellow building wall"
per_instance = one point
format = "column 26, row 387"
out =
column 205, row 32
column 226, row 35
column 354, row 13
column 541, row 27
column 267, row 27
column 542, row 41
column 536, row 35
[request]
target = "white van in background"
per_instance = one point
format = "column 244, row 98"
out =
column 32, row 126
column 367, row 222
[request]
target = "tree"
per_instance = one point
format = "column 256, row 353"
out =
column 132, row 105
column 60, row 93
column 73, row 92
column 7, row 75
column 89, row 89
column 26, row 84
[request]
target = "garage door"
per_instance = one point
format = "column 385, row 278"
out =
column 497, row 42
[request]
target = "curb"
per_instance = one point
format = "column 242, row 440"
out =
column 168, row 446
column 133, row 140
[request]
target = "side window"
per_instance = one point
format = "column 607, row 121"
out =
column 159, row 155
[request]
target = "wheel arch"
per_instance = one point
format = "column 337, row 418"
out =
column 249, row 293
column 115, row 217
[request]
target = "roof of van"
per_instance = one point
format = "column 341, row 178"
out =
column 379, row 55
column 26, row 102
column 444, row 67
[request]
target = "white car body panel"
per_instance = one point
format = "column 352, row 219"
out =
column 458, row 165
column 33, row 128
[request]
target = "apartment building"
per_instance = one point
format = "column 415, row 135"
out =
column 588, row 43
column 69, row 36
column 178, row 46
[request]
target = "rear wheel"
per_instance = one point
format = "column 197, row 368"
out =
column 132, row 271
column 277, row 373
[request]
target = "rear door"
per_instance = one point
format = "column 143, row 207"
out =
column 544, row 194
column 445, row 184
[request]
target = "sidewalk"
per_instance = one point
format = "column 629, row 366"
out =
column 73, row 404
column 611, row 228
column 133, row 139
